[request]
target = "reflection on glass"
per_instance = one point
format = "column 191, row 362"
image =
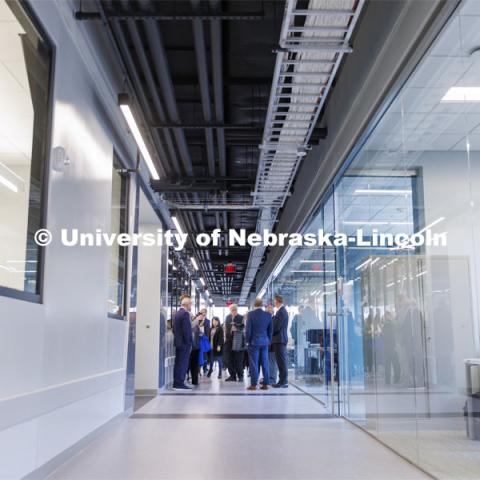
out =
column 118, row 254
column 406, row 320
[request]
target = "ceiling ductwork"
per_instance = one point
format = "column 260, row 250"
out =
column 313, row 41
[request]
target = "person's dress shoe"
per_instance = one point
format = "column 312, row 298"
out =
column 231, row 379
column 264, row 387
column 181, row 387
column 252, row 387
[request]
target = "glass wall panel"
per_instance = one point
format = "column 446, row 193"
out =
column 25, row 60
column 405, row 318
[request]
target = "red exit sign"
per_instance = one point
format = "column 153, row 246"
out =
column 229, row 268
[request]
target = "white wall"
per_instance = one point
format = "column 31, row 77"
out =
column 62, row 362
column 147, row 346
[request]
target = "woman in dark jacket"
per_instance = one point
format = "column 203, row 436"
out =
column 217, row 341
column 198, row 330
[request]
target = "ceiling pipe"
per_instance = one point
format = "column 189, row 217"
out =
column 144, row 104
column 216, row 43
column 201, row 56
column 162, row 70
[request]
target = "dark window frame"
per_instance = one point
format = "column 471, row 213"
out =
column 32, row 25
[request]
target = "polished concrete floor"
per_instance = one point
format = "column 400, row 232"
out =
column 220, row 431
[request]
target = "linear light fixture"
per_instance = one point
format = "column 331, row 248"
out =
column 177, row 225
column 312, row 271
column 382, row 191
column 22, row 261
column 373, row 222
column 317, row 261
column 202, row 281
column 170, row 262
column 7, row 183
column 124, row 104
column 194, row 263
column 462, row 95
column 207, row 293
column 366, row 262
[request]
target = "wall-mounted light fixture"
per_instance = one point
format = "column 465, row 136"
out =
column 124, row 104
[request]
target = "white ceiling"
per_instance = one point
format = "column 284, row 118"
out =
column 417, row 121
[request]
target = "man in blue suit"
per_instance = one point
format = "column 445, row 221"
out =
column 280, row 340
column 258, row 338
column 183, row 339
column 206, row 324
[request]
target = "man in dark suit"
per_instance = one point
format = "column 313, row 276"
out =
column 183, row 339
column 233, row 359
column 258, row 338
column 280, row 340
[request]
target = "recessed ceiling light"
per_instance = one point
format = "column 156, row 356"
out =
column 462, row 95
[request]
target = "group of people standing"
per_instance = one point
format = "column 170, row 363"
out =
column 257, row 340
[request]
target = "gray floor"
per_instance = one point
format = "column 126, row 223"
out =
column 220, row 432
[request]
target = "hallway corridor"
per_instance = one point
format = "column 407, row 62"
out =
column 220, row 431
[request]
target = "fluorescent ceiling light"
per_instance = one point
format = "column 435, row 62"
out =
column 317, row 261
column 312, row 271
column 7, row 183
column 462, row 94
column 170, row 262
column 373, row 222
column 186, row 282
column 9, row 170
column 202, row 281
column 177, row 225
column 207, row 292
column 406, row 244
column 382, row 191
column 194, row 263
column 22, row 261
column 363, row 264
column 132, row 124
